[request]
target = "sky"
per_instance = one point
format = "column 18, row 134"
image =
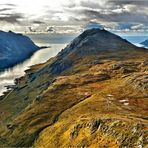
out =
column 72, row 16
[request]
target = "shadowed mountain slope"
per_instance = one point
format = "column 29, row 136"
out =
column 14, row 48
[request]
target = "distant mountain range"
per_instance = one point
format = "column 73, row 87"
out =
column 14, row 48
column 145, row 43
column 92, row 94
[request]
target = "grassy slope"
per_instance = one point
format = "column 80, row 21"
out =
column 80, row 107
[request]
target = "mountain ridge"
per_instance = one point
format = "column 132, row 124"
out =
column 14, row 48
column 91, row 39
column 98, row 100
column 145, row 43
column 94, row 37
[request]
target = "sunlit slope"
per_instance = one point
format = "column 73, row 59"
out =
column 88, row 95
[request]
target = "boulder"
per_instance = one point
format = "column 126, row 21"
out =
column 39, row 98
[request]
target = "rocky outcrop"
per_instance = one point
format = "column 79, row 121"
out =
column 130, row 135
column 139, row 81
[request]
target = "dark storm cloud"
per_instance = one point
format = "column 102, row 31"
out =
column 11, row 18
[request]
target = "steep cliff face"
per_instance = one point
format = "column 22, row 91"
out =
column 97, row 98
column 14, row 48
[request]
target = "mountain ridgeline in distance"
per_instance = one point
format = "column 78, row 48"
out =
column 92, row 94
column 145, row 43
column 14, row 48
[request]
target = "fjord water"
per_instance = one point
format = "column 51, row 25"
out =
column 57, row 42
column 7, row 77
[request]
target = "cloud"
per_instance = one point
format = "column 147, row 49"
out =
column 8, row 5
column 129, row 2
column 93, row 25
column 11, row 18
column 38, row 22
column 120, row 15
column 91, row 4
column 5, row 9
column 137, row 26
column 113, row 14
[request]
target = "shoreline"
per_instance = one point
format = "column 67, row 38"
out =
column 9, row 88
column 24, row 59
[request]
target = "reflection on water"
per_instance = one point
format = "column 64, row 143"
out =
column 7, row 77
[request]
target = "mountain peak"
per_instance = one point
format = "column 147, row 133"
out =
column 90, row 43
column 95, row 40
